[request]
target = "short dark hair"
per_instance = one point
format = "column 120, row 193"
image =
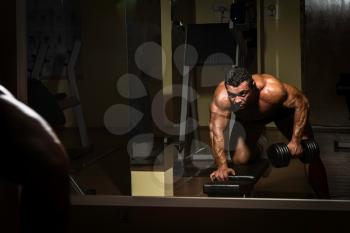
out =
column 237, row 75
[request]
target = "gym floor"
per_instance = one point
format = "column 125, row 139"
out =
column 105, row 169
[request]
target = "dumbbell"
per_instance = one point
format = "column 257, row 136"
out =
column 280, row 156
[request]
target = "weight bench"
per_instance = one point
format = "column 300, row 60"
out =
column 240, row 185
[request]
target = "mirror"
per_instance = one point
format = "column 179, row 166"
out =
column 128, row 86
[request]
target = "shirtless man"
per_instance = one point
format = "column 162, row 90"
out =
column 33, row 157
column 258, row 100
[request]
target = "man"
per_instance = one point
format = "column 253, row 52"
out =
column 258, row 100
column 33, row 157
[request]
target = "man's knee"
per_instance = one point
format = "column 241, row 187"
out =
column 241, row 157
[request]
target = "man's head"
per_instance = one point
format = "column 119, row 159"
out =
column 237, row 75
column 239, row 86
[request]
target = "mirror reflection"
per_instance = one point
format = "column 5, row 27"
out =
column 192, row 98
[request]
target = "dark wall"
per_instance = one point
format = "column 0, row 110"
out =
column 325, row 54
column 8, row 48
column 143, row 23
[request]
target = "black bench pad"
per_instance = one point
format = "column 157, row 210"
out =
column 241, row 184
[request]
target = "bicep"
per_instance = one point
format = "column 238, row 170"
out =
column 218, row 122
column 219, row 112
column 295, row 98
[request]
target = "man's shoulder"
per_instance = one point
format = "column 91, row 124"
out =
column 4, row 91
column 220, row 98
column 272, row 89
column 220, row 91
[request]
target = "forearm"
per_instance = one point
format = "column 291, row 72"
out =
column 217, row 141
column 300, row 119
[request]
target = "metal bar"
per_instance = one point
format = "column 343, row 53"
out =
column 75, row 186
column 213, row 202
column 39, row 61
column 184, row 105
column 78, row 112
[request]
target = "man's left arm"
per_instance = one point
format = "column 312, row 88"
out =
column 297, row 101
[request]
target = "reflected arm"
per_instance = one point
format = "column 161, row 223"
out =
column 218, row 123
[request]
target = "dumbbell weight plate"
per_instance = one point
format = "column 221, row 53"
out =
column 272, row 153
column 279, row 155
column 311, row 151
column 286, row 155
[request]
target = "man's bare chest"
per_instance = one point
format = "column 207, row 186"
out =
column 258, row 112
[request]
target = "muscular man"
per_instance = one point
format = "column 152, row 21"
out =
column 257, row 100
column 33, row 157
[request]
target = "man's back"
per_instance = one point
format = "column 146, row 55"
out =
column 33, row 157
column 22, row 126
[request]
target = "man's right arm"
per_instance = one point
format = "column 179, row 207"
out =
column 219, row 120
column 217, row 125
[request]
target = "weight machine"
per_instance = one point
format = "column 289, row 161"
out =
column 51, row 106
column 209, row 40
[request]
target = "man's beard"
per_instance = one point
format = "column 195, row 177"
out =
column 235, row 107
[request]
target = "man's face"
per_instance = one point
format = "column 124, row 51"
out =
column 239, row 96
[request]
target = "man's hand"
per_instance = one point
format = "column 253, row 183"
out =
column 222, row 173
column 295, row 149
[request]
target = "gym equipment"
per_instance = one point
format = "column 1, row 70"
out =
column 51, row 106
column 235, row 186
column 74, row 100
column 39, row 96
column 280, row 156
column 240, row 185
column 207, row 39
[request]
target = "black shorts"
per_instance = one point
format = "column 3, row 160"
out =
column 251, row 131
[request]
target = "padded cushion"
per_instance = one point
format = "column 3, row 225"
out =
column 241, row 184
column 236, row 186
